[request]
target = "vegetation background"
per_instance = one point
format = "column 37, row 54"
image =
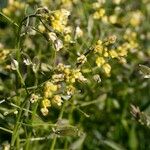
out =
column 74, row 74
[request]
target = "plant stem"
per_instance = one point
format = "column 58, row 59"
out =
column 55, row 136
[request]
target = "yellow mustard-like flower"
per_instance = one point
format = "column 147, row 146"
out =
column 98, row 48
column 136, row 18
column 113, row 54
column 99, row 13
column 41, row 28
column 3, row 54
column 60, row 67
column 59, row 19
column 100, row 61
column 57, row 100
column 107, row 68
column 113, row 19
column 112, row 39
column 49, row 89
column 106, row 52
column 122, row 51
column 44, row 111
column 58, row 77
column 46, row 103
column 67, row 38
column 70, row 90
column 81, row 59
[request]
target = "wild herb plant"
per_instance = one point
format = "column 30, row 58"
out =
column 71, row 73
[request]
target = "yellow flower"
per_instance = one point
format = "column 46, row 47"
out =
column 46, row 103
column 99, row 13
column 49, row 86
column 98, row 48
column 81, row 59
column 49, row 89
column 107, row 68
column 70, row 90
column 113, row 54
column 58, row 77
column 122, row 51
column 59, row 20
column 67, row 38
column 136, row 18
column 44, row 111
column 41, row 28
column 57, row 100
column 100, row 61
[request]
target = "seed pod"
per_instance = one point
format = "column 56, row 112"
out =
column 66, row 131
column 145, row 71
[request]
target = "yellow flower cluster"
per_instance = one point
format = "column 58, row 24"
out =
column 3, row 54
column 59, row 19
column 104, row 53
column 136, row 18
column 49, row 98
column 67, row 74
column 99, row 13
column 63, row 79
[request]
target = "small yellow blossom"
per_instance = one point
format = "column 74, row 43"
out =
column 41, row 28
column 57, row 100
column 60, row 67
column 100, row 61
column 98, row 48
column 122, row 51
column 50, row 87
column 136, row 18
column 106, row 52
column 67, row 38
column 58, row 77
column 46, row 103
column 107, row 68
column 113, row 19
column 99, row 13
column 122, row 60
column 113, row 54
column 44, row 111
column 81, row 59
column 70, row 90
column 59, row 19
column 110, row 40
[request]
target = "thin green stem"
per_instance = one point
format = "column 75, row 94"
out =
column 9, row 19
column 22, row 81
column 55, row 136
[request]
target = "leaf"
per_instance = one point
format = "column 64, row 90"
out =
column 78, row 143
column 133, row 141
column 113, row 145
